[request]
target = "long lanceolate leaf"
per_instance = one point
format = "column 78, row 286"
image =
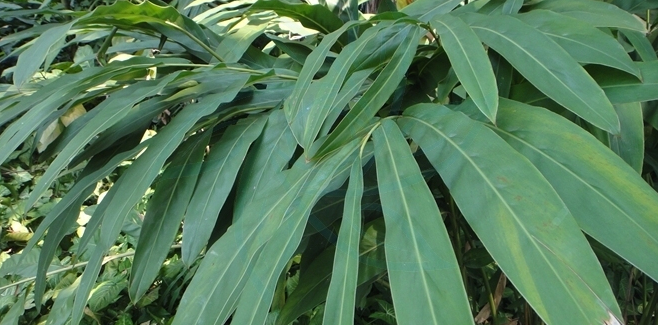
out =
column 425, row 280
column 542, row 251
column 43, row 103
column 311, row 66
column 377, row 94
column 470, row 62
column 267, row 157
column 586, row 44
column 30, row 60
column 342, row 290
column 547, row 66
column 323, row 93
column 165, row 213
column 607, row 197
column 59, row 220
column 596, row 13
column 213, row 293
column 110, row 111
column 215, row 182
column 129, row 189
column 257, row 296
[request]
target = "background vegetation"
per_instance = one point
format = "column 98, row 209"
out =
column 277, row 162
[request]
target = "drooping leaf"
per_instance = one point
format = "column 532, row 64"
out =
column 503, row 211
column 583, row 42
column 618, row 205
column 342, row 289
column 59, row 220
column 165, row 213
column 133, row 183
column 469, row 61
column 547, row 66
column 422, row 267
column 110, row 111
column 218, row 174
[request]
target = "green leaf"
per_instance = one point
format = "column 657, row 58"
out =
column 311, row 289
column 315, row 17
column 106, row 293
column 512, row 6
column 165, row 213
column 130, row 187
column 42, row 104
column 629, row 144
column 268, row 156
column 213, row 293
column 151, row 17
column 311, row 66
column 609, row 200
column 30, row 60
column 11, row 317
column 517, row 215
column 342, row 289
column 469, row 61
column 642, row 45
column 595, row 13
column 61, row 309
column 547, row 66
column 218, row 174
column 621, row 88
column 422, row 267
column 236, row 42
column 583, row 42
column 322, row 94
column 63, row 216
column 110, row 111
column 257, row 296
column 377, row 94
column 425, row 10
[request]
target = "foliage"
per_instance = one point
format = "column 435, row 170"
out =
column 333, row 166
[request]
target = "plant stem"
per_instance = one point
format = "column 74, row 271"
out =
column 492, row 302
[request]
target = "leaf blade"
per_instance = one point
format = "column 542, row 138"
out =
column 421, row 263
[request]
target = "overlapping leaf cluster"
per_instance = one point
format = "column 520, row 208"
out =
column 297, row 128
